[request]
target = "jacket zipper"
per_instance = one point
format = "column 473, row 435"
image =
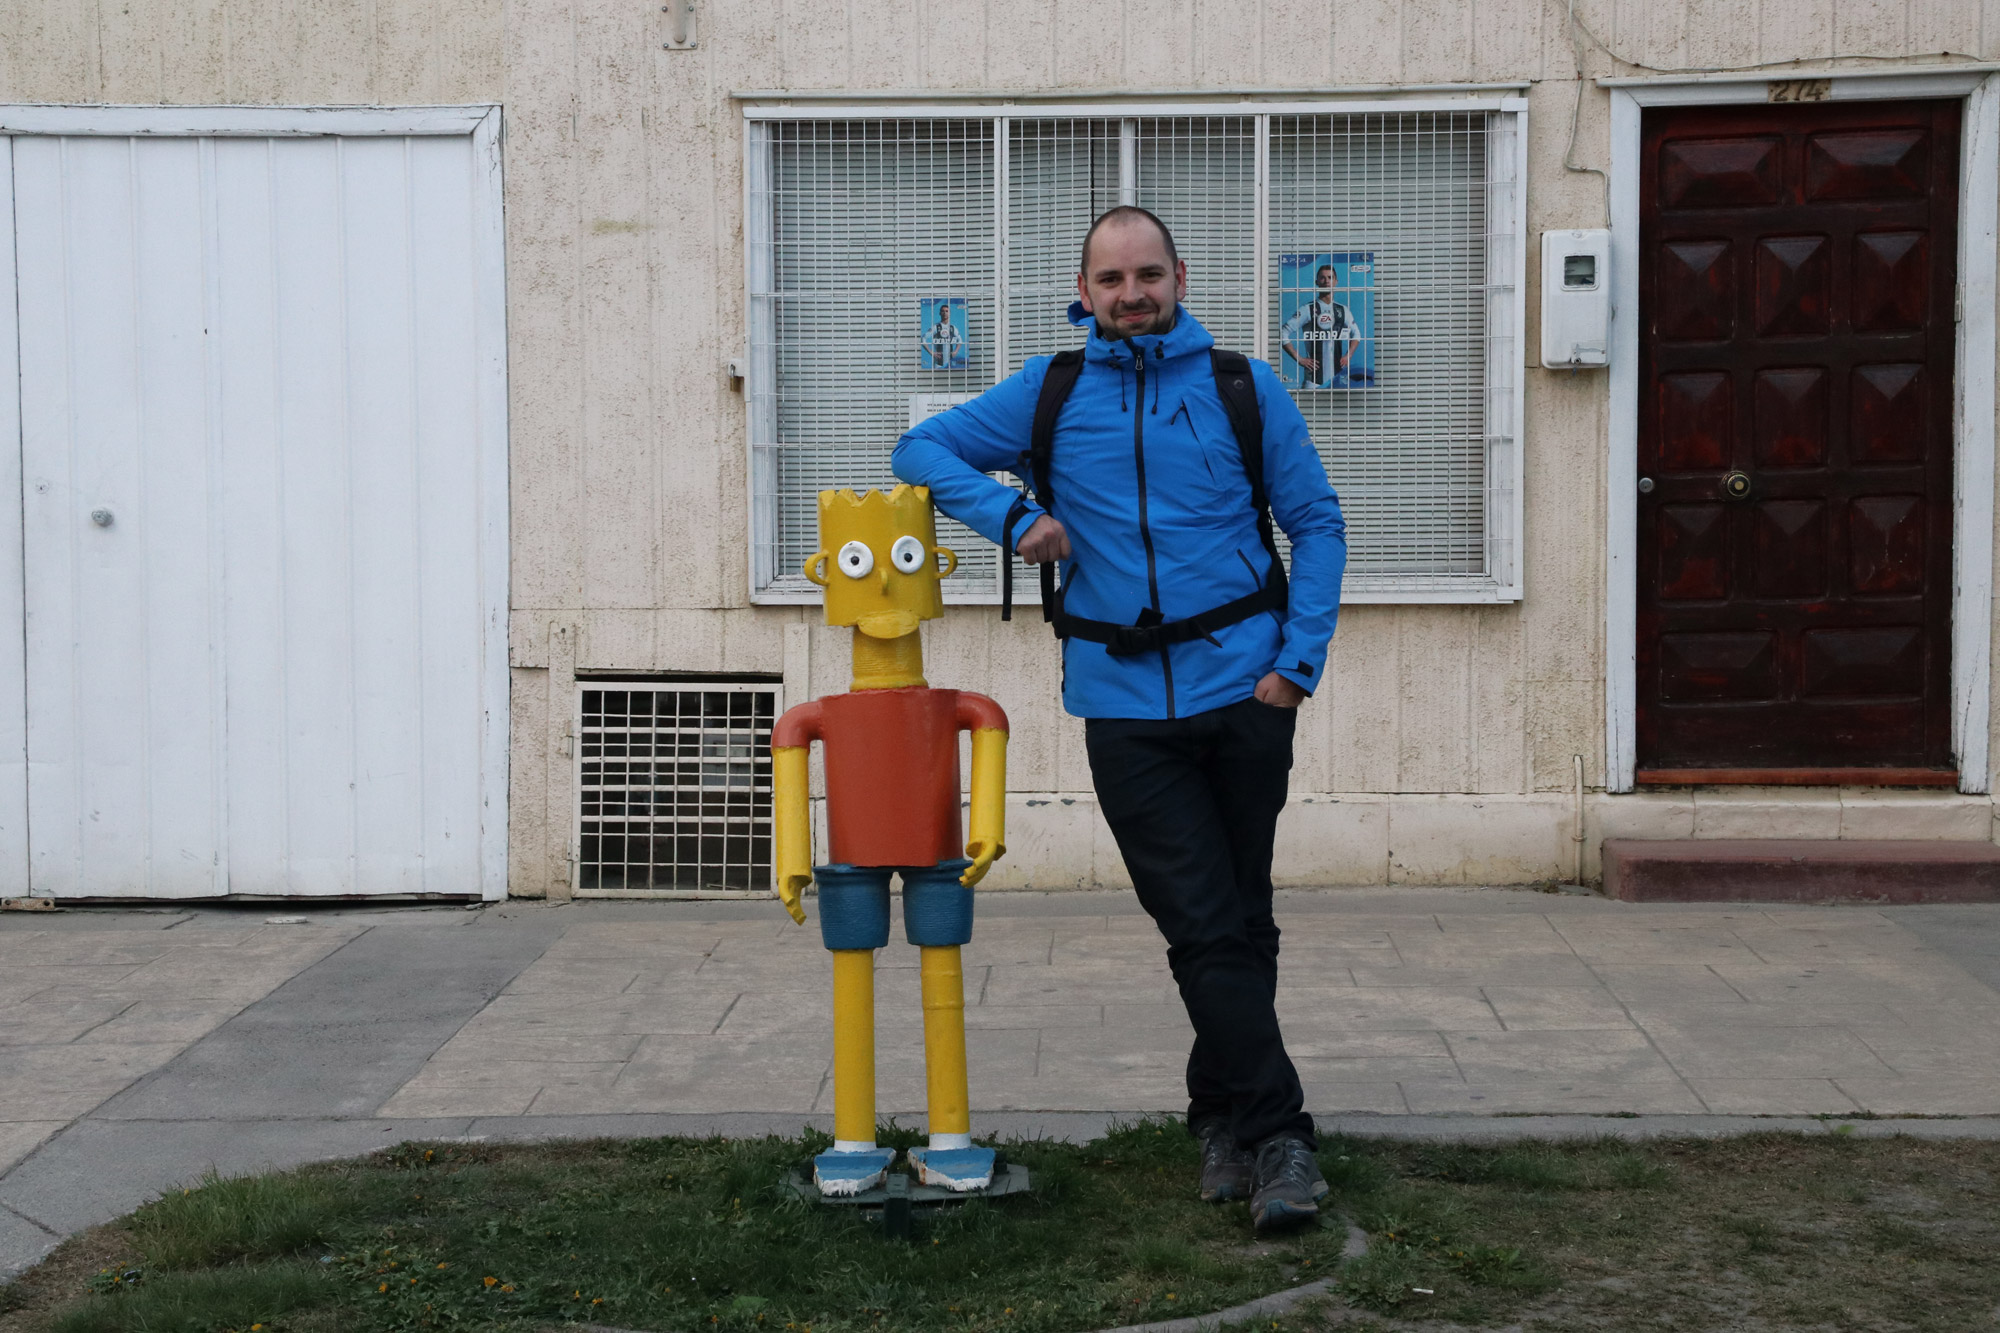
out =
column 1145, row 528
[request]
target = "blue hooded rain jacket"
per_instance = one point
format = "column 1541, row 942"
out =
column 1149, row 483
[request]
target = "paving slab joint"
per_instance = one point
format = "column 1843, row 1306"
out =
column 36, row 1224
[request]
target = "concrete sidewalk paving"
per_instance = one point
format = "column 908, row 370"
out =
column 146, row 1047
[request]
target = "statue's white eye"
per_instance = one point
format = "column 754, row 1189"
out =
column 907, row 554
column 856, row 560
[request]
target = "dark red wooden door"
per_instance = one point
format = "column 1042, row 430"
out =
column 1795, row 433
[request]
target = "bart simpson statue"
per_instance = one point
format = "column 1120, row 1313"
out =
column 892, row 804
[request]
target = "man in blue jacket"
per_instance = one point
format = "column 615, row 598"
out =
column 1189, row 735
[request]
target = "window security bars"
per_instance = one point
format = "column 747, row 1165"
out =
column 855, row 223
column 674, row 788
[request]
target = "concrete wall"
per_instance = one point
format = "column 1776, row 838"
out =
column 1440, row 748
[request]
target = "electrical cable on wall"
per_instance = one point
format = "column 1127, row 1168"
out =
column 1579, row 31
column 1576, row 114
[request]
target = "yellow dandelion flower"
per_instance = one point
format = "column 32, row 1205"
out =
column 383, row 1287
column 444, row 1265
column 491, row 1281
column 505, row 1287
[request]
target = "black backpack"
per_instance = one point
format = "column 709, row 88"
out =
column 1151, row 633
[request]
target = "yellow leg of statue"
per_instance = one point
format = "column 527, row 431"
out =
column 854, row 1049
column 855, row 1164
column 949, row 1103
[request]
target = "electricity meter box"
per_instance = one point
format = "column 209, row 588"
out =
column 1576, row 298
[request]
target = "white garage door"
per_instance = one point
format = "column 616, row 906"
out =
column 263, row 514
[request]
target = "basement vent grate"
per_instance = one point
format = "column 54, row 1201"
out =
column 674, row 787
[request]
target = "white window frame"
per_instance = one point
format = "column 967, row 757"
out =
column 481, row 123
column 1507, row 169
column 1973, row 387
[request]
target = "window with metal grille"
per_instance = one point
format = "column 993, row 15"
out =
column 855, row 219
column 674, row 787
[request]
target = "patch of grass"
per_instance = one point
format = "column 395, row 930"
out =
column 1350, row 1167
column 685, row 1234
column 202, row 1301
column 1628, row 1170
column 1781, row 1233
column 1534, row 1168
column 1757, row 1234
column 249, row 1217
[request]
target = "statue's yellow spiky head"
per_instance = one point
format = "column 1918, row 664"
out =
column 878, row 560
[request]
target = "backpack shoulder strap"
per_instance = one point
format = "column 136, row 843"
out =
column 1238, row 391
column 1064, row 367
column 1239, row 399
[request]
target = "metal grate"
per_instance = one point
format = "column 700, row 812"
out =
column 674, row 787
column 1407, row 455
column 1199, row 174
column 853, row 220
column 1060, row 175
column 868, row 219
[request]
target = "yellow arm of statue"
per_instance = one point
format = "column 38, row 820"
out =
column 791, row 835
column 986, row 841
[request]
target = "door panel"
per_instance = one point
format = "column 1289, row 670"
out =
column 1796, row 344
column 124, row 733
column 265, row 674
column 13, row 663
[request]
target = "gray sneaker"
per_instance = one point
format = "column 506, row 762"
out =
column 1288, row 1185
column 1225, row 1168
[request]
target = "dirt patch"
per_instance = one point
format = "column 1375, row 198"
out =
column 64, row 1276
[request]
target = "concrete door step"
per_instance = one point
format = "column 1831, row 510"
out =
column 1800, row 870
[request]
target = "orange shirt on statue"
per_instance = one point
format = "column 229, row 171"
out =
column 891, row 770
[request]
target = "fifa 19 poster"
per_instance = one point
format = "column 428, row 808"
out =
column 1326, row 306
column 941, row 340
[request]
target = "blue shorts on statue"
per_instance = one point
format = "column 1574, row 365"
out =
column 854, row 905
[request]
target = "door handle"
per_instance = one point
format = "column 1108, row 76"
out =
column 1736, row 486
column 1645, row 485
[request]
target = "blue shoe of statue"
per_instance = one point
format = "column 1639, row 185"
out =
column 852, row 1172
column 958, row 1169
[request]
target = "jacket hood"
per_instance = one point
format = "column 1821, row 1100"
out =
column 1186, row 338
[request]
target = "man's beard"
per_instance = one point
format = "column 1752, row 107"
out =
column 1137, row 325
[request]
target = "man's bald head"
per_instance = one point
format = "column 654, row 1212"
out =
column 1131, row 279
column 1126, row 215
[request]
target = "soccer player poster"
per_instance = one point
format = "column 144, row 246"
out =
column 941, row 338
column 1326, row 305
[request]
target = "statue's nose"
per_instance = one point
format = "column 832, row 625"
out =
column 885, row 578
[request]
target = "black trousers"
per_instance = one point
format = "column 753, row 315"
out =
column 1194, row 805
